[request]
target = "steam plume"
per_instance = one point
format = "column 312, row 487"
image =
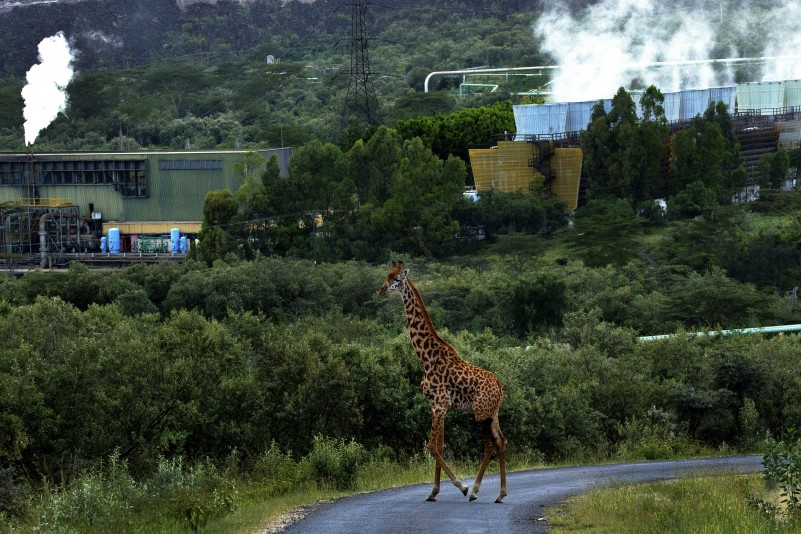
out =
column 45, row 94
column 605, row 45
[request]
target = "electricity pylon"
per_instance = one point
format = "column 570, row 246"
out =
column 360, row 102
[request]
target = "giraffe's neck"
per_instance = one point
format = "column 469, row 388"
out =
column 421, row 329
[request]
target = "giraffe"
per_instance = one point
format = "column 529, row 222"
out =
column 450, row 382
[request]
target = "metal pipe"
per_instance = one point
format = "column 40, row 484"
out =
column 43, row 238
column 629, row 66
column 713, row 333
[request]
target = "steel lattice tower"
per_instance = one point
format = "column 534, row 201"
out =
column 360, row 101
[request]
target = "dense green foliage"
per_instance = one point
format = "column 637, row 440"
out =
column 225, row 366
column 276, row 350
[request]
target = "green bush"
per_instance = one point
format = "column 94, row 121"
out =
column 279, row 470
column 12, row 498
column 103, row 499
column 782, row 463
column 335, row 463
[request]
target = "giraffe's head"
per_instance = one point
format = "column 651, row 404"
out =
column 395, row 278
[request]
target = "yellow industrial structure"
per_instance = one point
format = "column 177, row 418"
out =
column 520, row 166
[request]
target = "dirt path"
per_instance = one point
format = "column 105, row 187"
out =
column 406, row 510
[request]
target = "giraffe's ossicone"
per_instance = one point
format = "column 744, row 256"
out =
column 450, row 382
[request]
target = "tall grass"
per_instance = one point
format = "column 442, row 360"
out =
column 726, row 504
column 201, row 497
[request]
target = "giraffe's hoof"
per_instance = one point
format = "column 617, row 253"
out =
column 432, row 498
column 473, row 497
column 464, row 490
column 500, row 498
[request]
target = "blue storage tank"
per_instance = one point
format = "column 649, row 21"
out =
column 114, row 240
column 183, row 244
column 175, row 237
column 104, row 244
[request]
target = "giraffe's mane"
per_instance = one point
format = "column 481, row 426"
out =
column 424, row 311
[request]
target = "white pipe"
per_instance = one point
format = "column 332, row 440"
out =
column 630, row 66
column 474, row 71
column 713, row 333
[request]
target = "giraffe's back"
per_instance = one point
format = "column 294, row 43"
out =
column 475, row 389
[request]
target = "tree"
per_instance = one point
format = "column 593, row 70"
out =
column 215, row 237
column 372, row 165
column 249, row 163
column 603, row 232
column 596, row 145
column 318, row 179
column 455, row 133
column 695, row 199
column 698, row 156
column 708, row 152
column 178, row 83
column 534, row 305
column 423, row 194
column 11, row 105
column 624, row 156
column 774, row 168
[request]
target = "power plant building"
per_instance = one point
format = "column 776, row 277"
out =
column 546, row 146
column 136, row 193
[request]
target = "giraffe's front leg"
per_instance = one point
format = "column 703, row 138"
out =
column 436, row 445
column 435, row 489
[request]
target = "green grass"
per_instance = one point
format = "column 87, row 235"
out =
column 713, row 504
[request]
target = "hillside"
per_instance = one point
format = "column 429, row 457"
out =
column 276, row 72
column 116, row 33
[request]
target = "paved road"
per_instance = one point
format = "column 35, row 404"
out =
column 405, row 510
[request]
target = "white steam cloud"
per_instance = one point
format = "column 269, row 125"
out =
column 45, row 94
column 608, row 44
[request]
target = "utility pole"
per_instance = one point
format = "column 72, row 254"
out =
column 360, row 102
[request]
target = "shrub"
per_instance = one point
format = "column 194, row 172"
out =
column 193, row 495
column 335, row 463
column 279, row 469
column 782, row 463
column 12, row 501
column 101, row 500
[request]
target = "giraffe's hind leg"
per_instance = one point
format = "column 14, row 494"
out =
column 489, row 448
column 500, row 445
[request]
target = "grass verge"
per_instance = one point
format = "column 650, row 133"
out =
column 709, row 504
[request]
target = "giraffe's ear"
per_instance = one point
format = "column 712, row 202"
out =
column 405, row 272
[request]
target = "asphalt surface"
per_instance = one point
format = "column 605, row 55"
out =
column 405, row 510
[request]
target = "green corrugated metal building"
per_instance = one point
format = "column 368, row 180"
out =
column 138, row 192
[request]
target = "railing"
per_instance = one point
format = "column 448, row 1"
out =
column 49, row 202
